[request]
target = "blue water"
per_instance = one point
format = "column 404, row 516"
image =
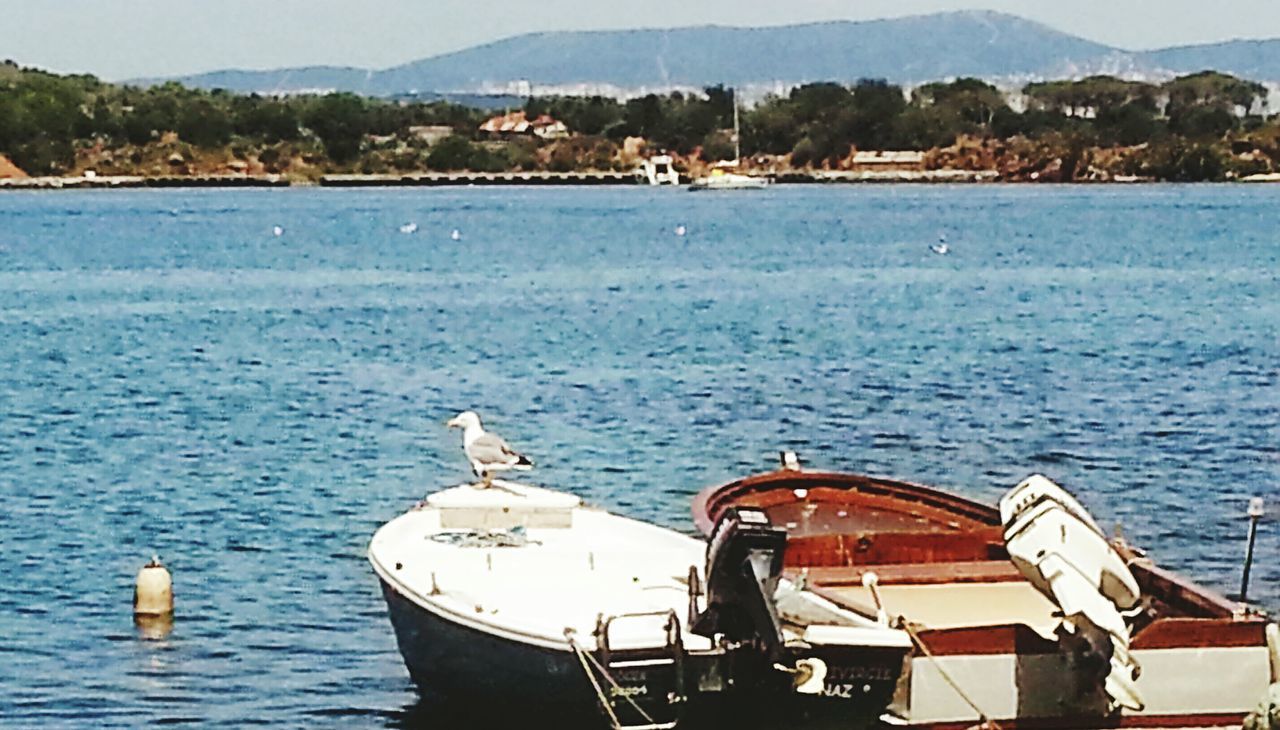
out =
column 180, row 381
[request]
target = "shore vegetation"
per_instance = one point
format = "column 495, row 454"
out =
column 1201, row 127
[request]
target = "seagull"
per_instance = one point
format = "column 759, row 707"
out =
column 457, row 236
column 681, row 230
column 409, row 228
column 487, row 452
column 941, row 248
column 278, row 230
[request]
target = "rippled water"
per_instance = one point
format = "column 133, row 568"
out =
column 251, row 407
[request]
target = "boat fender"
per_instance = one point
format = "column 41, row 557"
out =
column 808, row 677
column 1267, row 715
column 1273, row 643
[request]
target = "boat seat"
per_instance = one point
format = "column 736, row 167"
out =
column 503, row 506
column 970, row 571
column 939, row 595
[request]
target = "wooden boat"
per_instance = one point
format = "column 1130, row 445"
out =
column 1024, row 616
column 515, row 599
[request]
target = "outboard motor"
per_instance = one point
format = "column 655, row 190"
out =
column 744, row 562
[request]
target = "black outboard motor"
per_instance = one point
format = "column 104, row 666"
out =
column 744, row 561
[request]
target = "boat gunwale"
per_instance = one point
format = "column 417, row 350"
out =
column 710, row 501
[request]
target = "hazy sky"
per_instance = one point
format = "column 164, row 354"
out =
column 118, row 39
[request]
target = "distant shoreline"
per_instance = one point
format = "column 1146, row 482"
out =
column 534, row 179
column 560, row 179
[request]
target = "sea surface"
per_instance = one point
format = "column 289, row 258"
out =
column 178, row 380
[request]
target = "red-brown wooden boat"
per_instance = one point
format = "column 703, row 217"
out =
column 990, row 646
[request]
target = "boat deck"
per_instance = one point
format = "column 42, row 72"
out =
column 563, row 566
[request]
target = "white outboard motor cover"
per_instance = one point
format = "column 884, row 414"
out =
column 1060, row 549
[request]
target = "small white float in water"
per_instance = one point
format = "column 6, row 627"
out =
column 153, row 600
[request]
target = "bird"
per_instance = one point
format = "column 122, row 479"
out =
column 278, row 230
column 487, row 452
column 941, row 248
column 409, row 228
column 456, row 235
column 681, row 230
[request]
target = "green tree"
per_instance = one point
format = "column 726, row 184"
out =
column 341, row 122
column 1128, row 124
column 204, row 123
column 974, row 103
column 876, row 107
column 1214, row 90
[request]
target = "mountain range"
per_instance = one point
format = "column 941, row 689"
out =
column 917, row 49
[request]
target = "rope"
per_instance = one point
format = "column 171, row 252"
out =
column 580, row 652
column 515, row 537
column 604, row 701
column 915, row 638
column 626, row 696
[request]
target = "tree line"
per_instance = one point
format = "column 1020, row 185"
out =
column 1192, row 127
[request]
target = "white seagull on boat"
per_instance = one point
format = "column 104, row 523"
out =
column 487, row 452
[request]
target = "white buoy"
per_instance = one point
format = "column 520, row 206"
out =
column 456, row 235
column 153, row 592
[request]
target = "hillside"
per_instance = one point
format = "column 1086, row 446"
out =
column 958, row 44
column 902, row 50
column 907, row 51
column 1247, row 59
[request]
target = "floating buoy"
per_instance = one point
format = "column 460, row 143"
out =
column 153, row 592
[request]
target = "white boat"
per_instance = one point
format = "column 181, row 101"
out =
column 721, row 178
column 515, row 599
column 660, row 170
column 723, row 175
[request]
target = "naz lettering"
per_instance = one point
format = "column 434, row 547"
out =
column 844, row 691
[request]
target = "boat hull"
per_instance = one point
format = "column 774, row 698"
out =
column 466, row 673
column 449, row 661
